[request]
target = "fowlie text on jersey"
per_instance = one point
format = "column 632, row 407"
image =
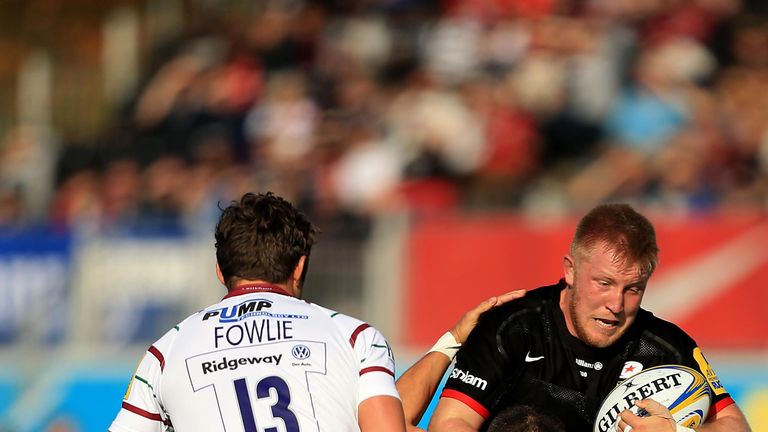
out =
column 253, row 332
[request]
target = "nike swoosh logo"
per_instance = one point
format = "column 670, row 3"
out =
column 529, row 359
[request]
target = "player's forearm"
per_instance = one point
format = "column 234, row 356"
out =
column 725, row 424
column 729, row 419
column 418, row 384
column 381, row 414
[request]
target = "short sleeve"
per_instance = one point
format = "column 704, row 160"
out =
column 687, row 352
column 142, row 409
column 377, row 363
column 482, row 370
column 720, row 397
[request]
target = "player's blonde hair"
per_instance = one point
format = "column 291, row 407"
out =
column 629, row 235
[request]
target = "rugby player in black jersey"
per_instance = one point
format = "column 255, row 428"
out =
column 561, row 348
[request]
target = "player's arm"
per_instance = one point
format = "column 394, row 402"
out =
column 379, row 408
column 724, row 415
column 452, row 415
column 418, row 384
column 140, row 410
column 729, row 419
column 381, row 414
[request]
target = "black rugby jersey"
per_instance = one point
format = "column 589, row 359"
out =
column 523, row 353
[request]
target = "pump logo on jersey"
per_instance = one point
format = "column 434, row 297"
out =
column 301, row 352
column 248, row 309
column 240, row 311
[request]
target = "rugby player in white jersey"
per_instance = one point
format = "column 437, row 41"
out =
column 262, row 360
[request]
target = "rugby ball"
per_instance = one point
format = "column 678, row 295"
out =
column 683, row 390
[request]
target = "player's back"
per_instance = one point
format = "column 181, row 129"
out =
column 265, row 360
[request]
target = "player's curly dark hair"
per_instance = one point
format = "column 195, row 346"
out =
column 523, row 418
column 262, row 237
column 628, row 233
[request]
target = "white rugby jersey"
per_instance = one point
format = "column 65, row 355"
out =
column 259, row 361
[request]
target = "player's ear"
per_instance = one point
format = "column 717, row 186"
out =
column 568, row 269
column 220, row 275
column 298, row 271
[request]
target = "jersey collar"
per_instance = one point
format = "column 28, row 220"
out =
column 252, row 288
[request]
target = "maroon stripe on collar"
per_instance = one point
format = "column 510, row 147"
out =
column 249, row 289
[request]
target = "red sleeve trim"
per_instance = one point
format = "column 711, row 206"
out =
column 468, row 401
column 141, row 412
column 376, row 369
column 156, row 352
column 358, row 330
column 719, row 405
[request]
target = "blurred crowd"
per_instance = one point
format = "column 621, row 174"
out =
column 354, row 109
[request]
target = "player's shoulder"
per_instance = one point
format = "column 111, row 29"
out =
column 166, row 341
column 162, row 348
column 348, row 326
column 531, row 306
column 344, row 322
column 542, row 295
column 654, row 329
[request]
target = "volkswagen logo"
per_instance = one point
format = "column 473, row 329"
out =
column 300, row 352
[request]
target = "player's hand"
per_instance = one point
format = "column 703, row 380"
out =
column 468, row 321
column 658, row 419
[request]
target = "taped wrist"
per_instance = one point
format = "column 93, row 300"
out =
column 447, row 345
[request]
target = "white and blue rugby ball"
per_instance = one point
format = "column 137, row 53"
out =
column 683, row 390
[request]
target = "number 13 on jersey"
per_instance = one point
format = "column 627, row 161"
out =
column 261, row 388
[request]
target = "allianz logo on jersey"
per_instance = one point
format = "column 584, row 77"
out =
column 469, row 378
column 596, row 366
column 247, row 309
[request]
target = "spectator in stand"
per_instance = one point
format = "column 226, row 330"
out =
column 518, row 116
